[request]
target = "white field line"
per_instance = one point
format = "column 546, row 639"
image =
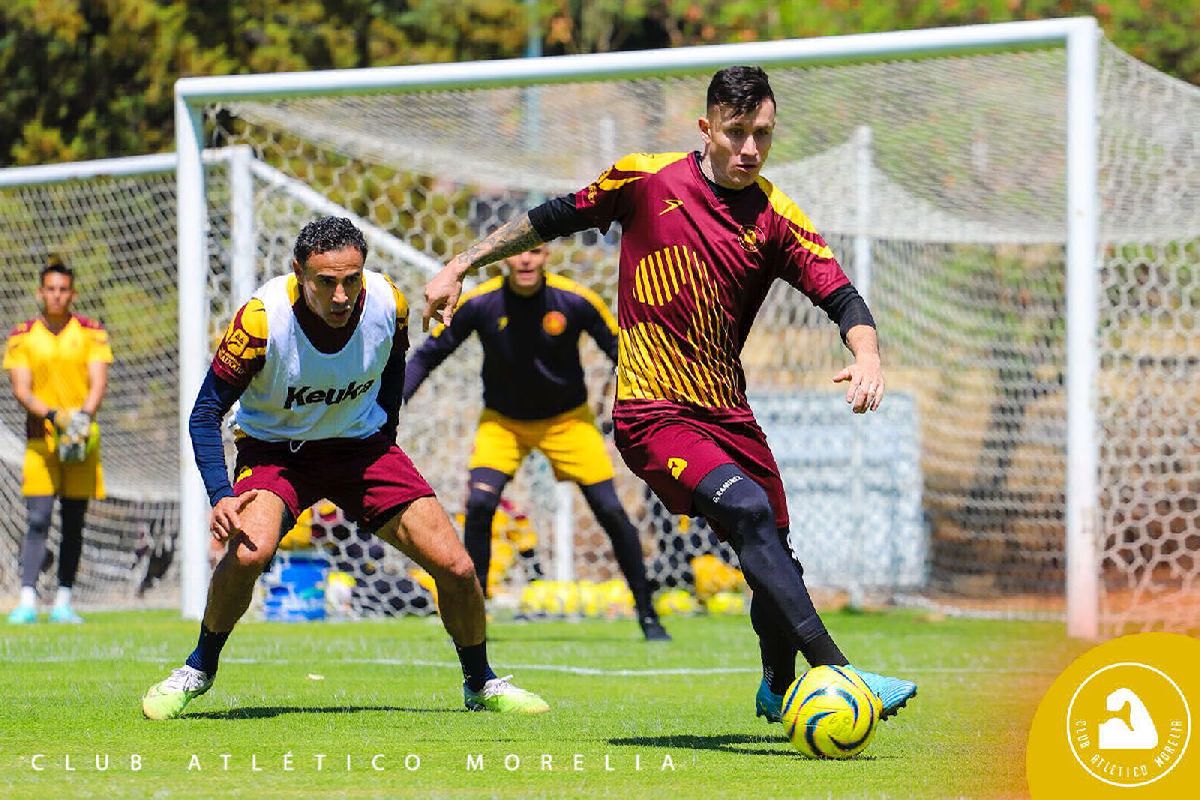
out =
column 562, row 668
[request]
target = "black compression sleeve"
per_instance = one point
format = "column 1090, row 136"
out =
column 558, row 217
column 214, row 400
column 846, row 307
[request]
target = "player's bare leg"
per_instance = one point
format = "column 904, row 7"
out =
column 229, row 595
column 246, row 556
column 423, row 532
column 233, row 582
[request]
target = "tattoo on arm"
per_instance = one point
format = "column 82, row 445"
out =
column 513, row 237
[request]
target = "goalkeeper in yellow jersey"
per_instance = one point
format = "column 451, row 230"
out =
column 534, row 396
column 58, row 364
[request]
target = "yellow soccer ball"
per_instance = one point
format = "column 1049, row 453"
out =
column 616, row 601
column 726, row 603
column 828, row 712
column 675, row 601
column 534, row 598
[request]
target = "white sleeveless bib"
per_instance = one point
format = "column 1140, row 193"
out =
column 302, row 394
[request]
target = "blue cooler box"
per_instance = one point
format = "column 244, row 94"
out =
column 295, row 588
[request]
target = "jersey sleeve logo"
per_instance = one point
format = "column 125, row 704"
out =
column 554, row 323
column 751, row 237
column 236, row 343
column 672, row 204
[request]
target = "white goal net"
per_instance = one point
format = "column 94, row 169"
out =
column 113, row 223
column 941, row 183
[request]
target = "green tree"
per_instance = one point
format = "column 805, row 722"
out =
column 94, row 78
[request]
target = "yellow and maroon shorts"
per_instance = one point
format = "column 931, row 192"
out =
column 672, row 448
column 369, row 479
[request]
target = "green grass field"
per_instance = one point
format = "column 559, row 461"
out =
column 393, row 688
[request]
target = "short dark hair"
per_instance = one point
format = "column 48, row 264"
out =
column 742, row 89
column 55, row 263
column 325, row 235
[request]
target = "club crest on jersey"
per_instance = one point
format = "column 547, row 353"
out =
column 750, row 238
column 303, row 395
column 554, row 323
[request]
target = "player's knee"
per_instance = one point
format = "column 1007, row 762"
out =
column 753, row 513
column 602, row 499
column 457, row 574
column 249, row 561
column 482, row 502
column 39, row 516
column 608, row 513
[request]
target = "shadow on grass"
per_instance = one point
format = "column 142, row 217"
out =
column 728, row 743
column 266, row 712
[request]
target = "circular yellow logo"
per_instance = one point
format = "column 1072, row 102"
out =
column 1129, row 724
column 1119, row 721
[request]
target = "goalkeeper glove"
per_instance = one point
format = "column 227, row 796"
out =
column 73, row 440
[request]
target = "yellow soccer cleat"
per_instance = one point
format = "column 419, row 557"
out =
column 166, row 700
column 504, row 698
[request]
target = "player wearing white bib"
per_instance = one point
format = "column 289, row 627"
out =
column 317, row 359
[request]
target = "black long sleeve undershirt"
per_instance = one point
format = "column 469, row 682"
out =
column 846, row 308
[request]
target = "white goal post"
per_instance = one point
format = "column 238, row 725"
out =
column 266, row 103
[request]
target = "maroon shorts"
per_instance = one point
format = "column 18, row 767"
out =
column 369, row 479
column 672, row 449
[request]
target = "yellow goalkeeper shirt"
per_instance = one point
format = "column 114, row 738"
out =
column 58, row 362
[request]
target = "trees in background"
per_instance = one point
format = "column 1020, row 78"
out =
column 93, row 78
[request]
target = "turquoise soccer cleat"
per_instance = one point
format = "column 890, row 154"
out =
column 22, row 615
column 502, row 697
column 894, row 693
column 167, row 699
column 65, row 615
column 767, row 703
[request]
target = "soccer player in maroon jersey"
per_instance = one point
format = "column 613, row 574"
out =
column 703, row 238
column 529, row 323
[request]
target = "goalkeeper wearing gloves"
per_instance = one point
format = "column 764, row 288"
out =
column 58, row 363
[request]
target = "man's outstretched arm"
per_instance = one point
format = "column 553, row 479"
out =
column 558, row 216
column 442, row 293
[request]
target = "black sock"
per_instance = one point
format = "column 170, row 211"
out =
column 475, row 667
column 484, row 486
column 778, row 662
column 627, row 547
column 818, row 646
column 208, row 651
column 774, row 643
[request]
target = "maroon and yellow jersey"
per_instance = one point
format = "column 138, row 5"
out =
column 58, row 362
column 694, row 269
